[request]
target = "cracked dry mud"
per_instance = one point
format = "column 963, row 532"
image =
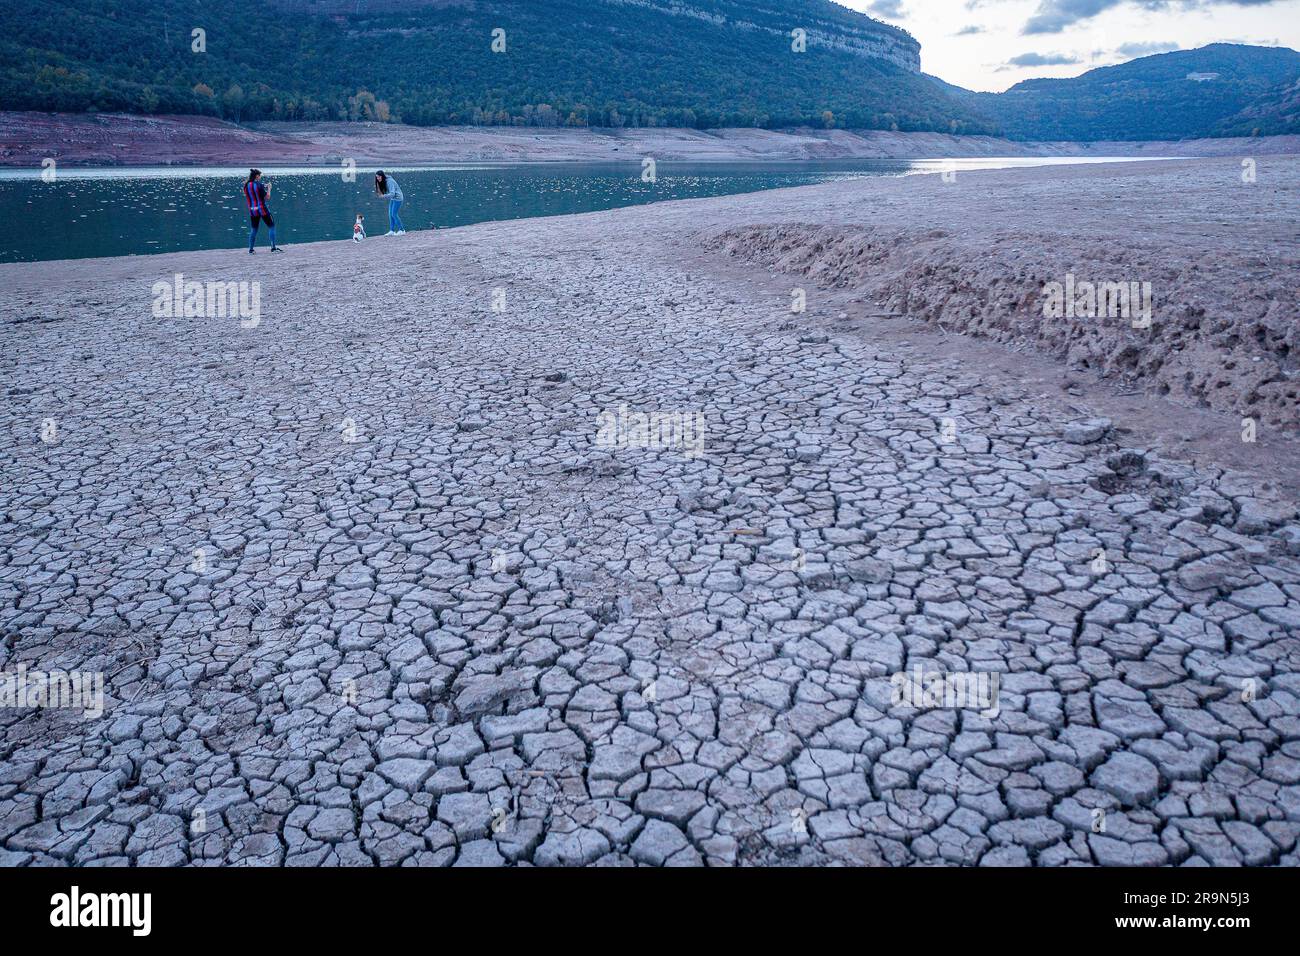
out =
column 471, row 636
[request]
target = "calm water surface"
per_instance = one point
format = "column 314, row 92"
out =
column 117, row 212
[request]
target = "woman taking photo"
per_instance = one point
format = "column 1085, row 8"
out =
column 386, row 188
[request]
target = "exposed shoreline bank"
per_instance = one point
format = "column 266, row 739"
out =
column 116, row 140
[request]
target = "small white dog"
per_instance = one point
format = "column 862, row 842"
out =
column 359, row 228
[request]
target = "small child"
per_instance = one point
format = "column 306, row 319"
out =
column 359, row 228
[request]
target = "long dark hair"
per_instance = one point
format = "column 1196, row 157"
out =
column 253, row 174
column 381, row 183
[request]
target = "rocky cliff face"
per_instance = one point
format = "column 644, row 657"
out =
column 825, row 24
column 902, row 50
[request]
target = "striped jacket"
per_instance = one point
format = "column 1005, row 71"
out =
column 255, row 194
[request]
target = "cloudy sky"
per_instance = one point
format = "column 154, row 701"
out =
column 991, row 44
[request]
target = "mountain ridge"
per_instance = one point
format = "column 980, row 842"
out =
column 699, row 64
column 1210, row 91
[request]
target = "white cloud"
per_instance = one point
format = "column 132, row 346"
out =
column 886, row 9
column 1092, row 33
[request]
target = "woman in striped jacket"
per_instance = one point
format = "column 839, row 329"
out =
column 256, row 194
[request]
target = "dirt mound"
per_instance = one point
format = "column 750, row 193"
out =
column 1224, row 331
column 111, row 139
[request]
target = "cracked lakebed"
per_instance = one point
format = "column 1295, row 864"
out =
column 461, row 632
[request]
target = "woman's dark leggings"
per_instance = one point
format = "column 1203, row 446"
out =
column 252, row 231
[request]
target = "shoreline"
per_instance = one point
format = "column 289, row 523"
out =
column 732, row 178
column 912, row 273
column 400, row 166
column 122, row 141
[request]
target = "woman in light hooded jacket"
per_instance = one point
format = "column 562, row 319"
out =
column 386, row 188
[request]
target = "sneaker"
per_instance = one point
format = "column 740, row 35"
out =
column 401, row 232
column 276, row 249
column 251, row 251
column 390, row 233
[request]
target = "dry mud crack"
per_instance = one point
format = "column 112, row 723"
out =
column 461, row 632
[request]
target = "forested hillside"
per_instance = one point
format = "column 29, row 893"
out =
column 1218, row 90
column 702, row 63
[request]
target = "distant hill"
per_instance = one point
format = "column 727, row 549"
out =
column 692, row 63
column 1219, row 90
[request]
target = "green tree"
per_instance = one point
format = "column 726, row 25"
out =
column 232, row 102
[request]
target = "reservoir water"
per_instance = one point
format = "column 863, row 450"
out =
column 84, row 213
